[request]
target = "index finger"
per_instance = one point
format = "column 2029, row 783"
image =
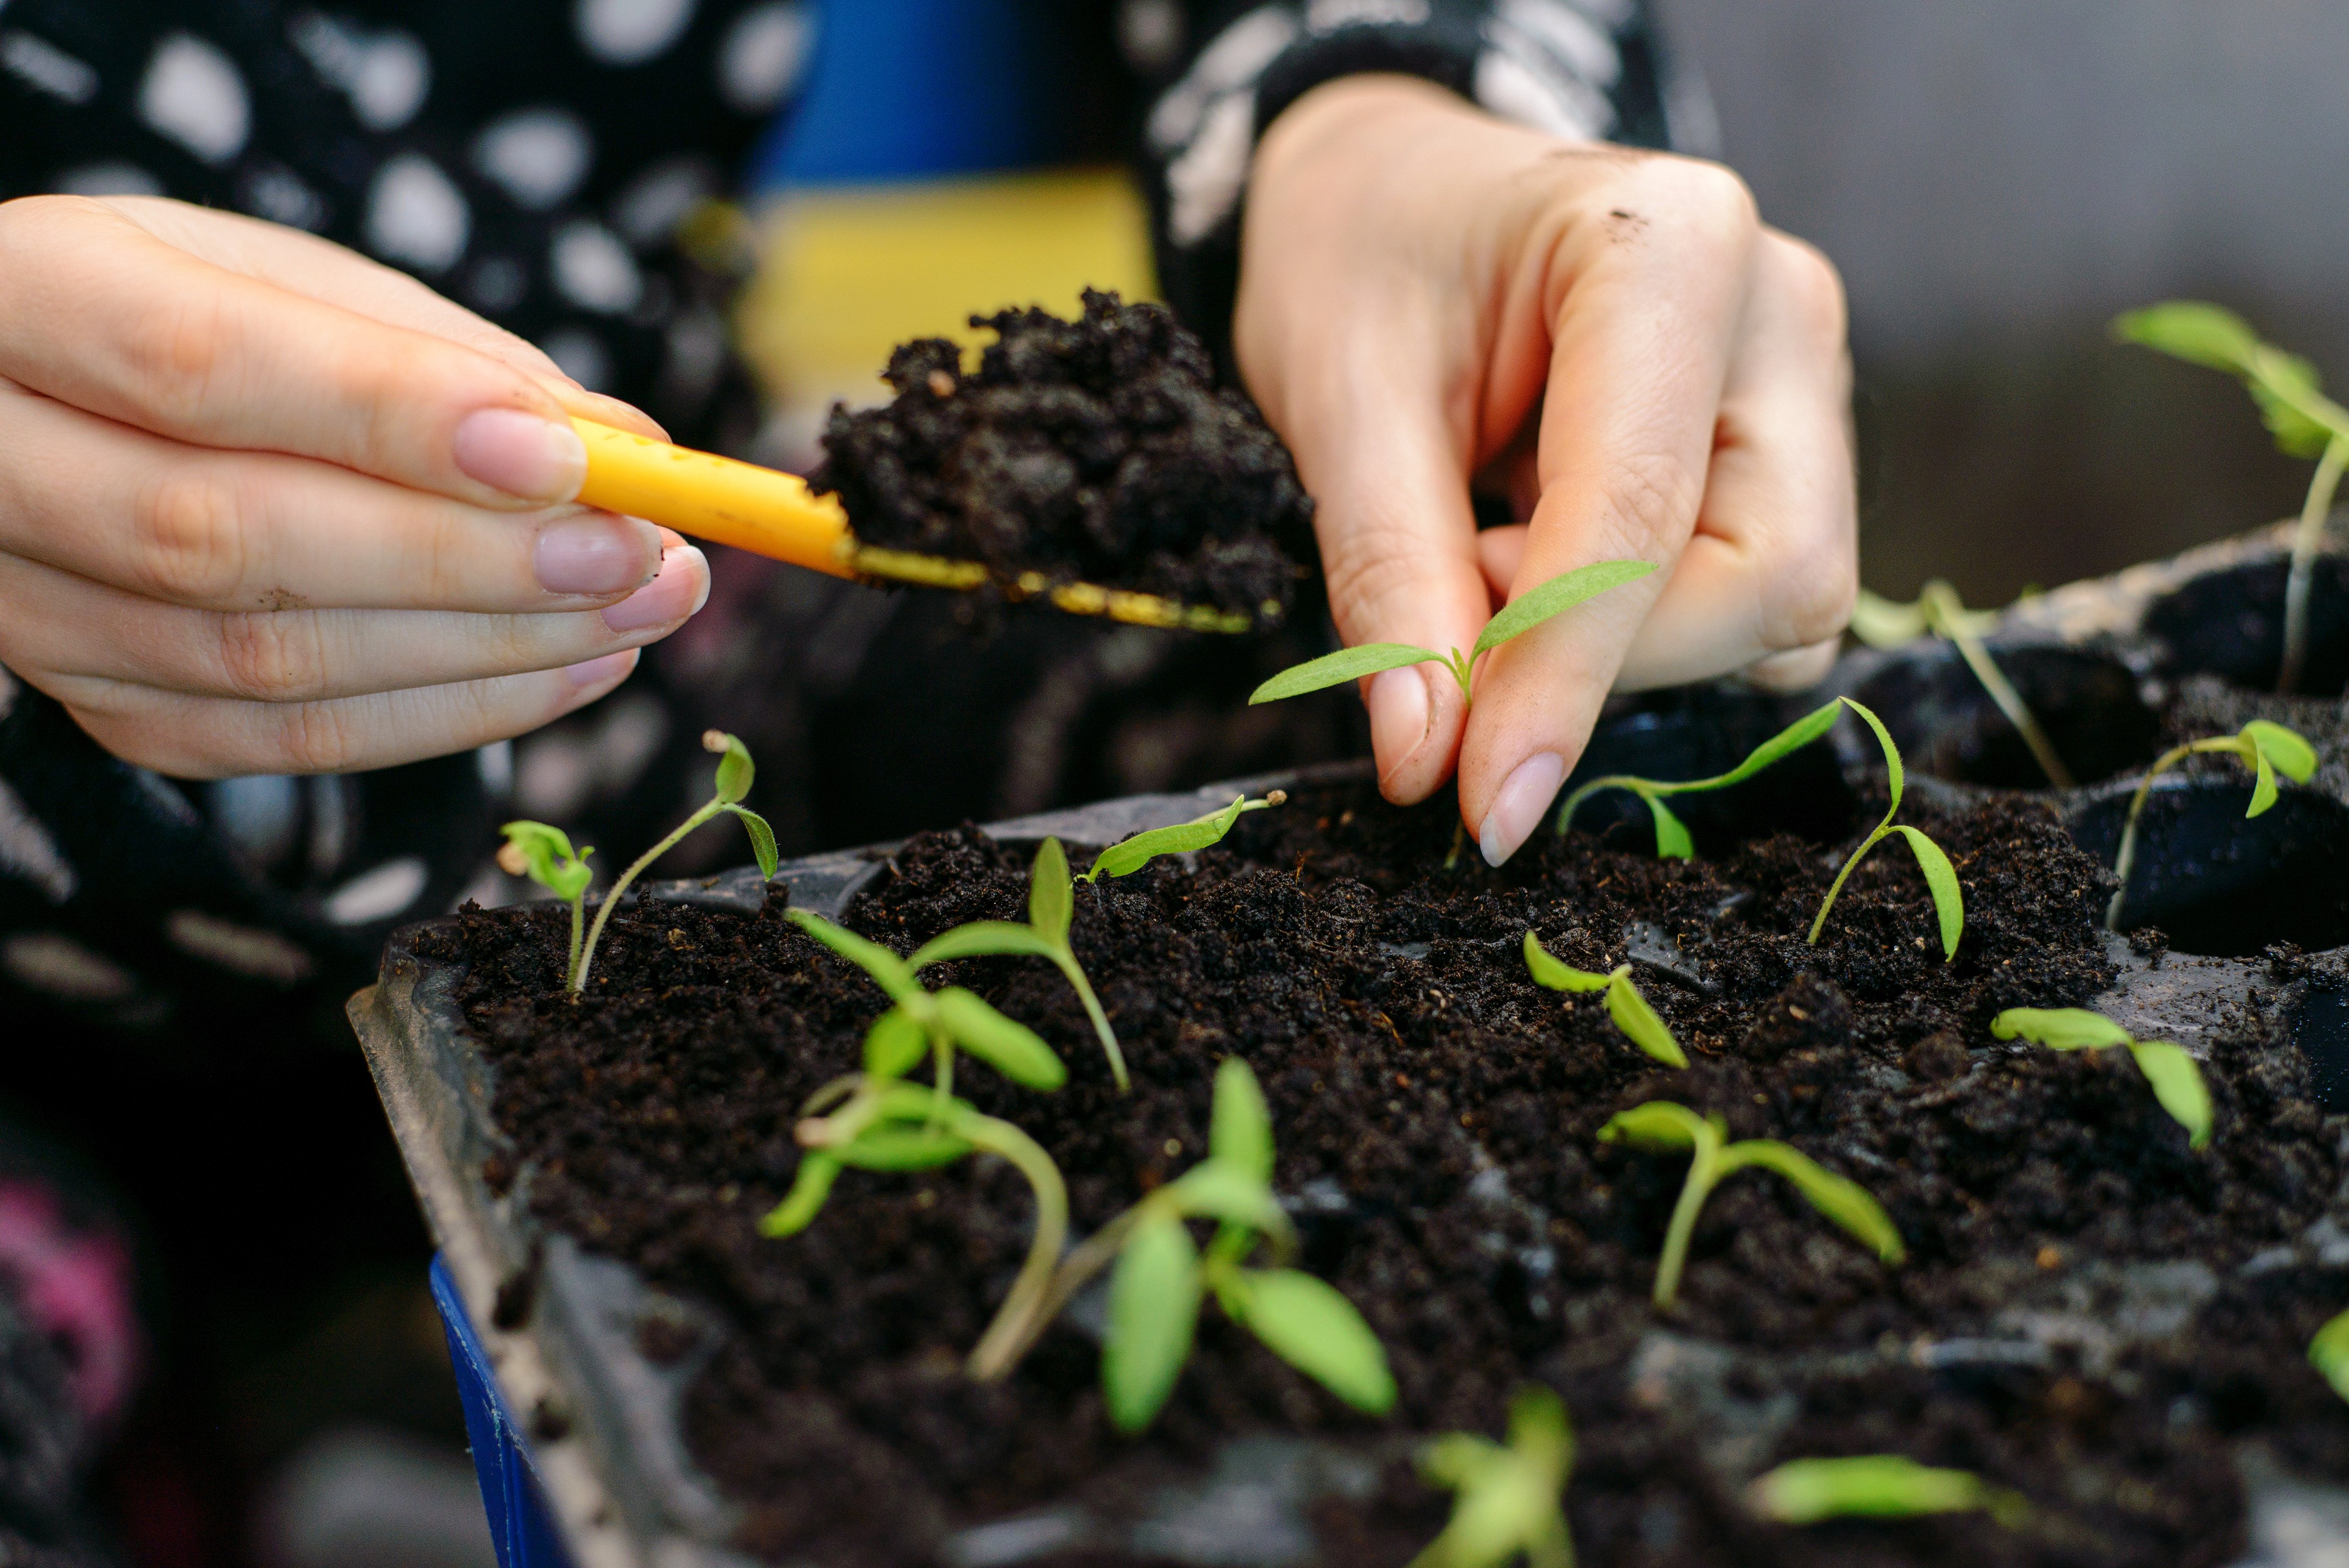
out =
column 1647, row 290
column 97, row 313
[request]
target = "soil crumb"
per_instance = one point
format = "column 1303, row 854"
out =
column 1098, row 450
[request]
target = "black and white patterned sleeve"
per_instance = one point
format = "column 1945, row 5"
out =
column 1585, row 68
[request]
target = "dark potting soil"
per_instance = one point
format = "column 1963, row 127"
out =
column 2075, row 1321
column 1097, row 449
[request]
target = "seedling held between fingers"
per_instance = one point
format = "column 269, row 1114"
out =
column 2267, row 749
column 2176, row 1081
column 1940, row 877
column 1874, row 1486
column 734, row 775
column 1672, row 841
column 1050, row 908
column 543, row 854
column 1520, row 615
column 1508, row 1499
column 1662, row 1124
column 1630, row 1011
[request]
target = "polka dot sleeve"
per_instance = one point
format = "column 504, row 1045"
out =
column 1591, row 68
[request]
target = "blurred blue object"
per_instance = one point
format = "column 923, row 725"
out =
column 905, row 88
column 519, row 1525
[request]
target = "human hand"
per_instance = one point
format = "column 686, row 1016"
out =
column 268, row 507
column 1428, row 295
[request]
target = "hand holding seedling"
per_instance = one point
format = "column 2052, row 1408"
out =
column 1431, row 297
column 1630, row 1011
column 2267, row 749
column 1508, row 1499
column 1662, row 1124
column 2176, row 1081
column 274, row 508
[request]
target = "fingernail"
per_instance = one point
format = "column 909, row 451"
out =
column 1398, row 716
column 1518, row 808
column 680, row 590
column 596, row 555
column 601, row 671
column 521, row 454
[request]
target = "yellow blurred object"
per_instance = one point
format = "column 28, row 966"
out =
column 849, row 272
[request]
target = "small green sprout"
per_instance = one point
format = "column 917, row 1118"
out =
column 1520, row 615
column 1128, row 856
column 543, row 854
column 2329, row 1352
column 1949, row 903
column 1162, row 1279
column 2267, row 749
column 734, row 775
column 1661, row 1125
column 1510, row 1497
column 1881, row 623
column 2176, row 1081
column 1874, row 1485
column 1630, row 1011
column 1051, row 907
column 1672, row 841
column 2303, row 421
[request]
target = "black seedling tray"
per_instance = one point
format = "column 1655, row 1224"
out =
column 2100, row 662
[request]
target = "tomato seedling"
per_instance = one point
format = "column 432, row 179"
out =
column 1940, row 877
column 1672, row 841
column 1874, row 1485
column 2176, row 1081
column 2267, row 749
column 1508, row 1499
column 1630, row 1011
column 1881, row 623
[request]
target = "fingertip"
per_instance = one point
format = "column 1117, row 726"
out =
column 1416, row 727
column 585, row 681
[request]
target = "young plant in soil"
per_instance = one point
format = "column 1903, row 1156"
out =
column 1162, row 1279
column 1664, row 1126
column 2304, row 422
column 1521, row 615
column 1940, row 877
column 1508, row 1498
column 1881, row 623
column 1874, row 1486
column 1630, row 1011
column 1128, row 856
column 2267, row 749
column 535, row 846
column 2176, row 1081
column 1672, row 841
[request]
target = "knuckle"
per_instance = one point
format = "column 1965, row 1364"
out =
column 275, row 656
column 189, row 544
column 1706, row 200
column 315, row 737
column 179, row 359
column 1655, row 495
column 1812, row 602
column 1379, row 566
column 1814, row 287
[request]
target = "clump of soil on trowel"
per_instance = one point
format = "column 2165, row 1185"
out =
column 2080, row 1320
column 1097, row 449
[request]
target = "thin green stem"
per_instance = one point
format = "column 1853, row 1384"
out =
column 1704, row 1170
column 2124, row 861
column 998, row 1355
column 578, row 922
column 612, row 899
column 2305, row 541
column 1466, row 675
column 1035, row 1280
column 942, row 1054
column 1945, row 613
column 1067, row 960
column 1858, row 855
column 1639, row 787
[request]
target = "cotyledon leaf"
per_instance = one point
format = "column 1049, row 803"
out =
column 887, row 970
column 1009, row 1047
column 1154, row 1309
column 1560, row 593
column 982, row 938
column 2177, row 1084
column 1556, row 974
column 1843, row 1200
column 1898, row 778
column 894, row 1043
column 1239, row 1128
column 1639, row 1022
column 1672, row 841
column 1308, row 1323
column 2287, row 749
column 1051, row 902
column 1942, row 878
column 1337, row 668
column 1864, row 1485
column 2329, row 1352
column 1129, row 855
column 2059, row 1028
column 763, row 840
column 1659, row 1124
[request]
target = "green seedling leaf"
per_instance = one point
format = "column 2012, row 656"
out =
column 1658, row 1126
column 1898, row 780
column 1882, row 623
column 1011, row 1049
column 2285, row 749
column 2177, row 1084
column 1509, row 1500
column 1337, row 668
column 1869, row 1486
column 2285, row 386
column 895, row 1044
column 1130, row 855
column 1051, row 899
column 543, row 854
column 762, row 840
column 1311, row 1327
column 734, row 766
column 886, row 969
column 1153, row 1310
column 1813, row 726
column 900, row 1148
column 800, row 1205
column 1239, row 1131
column 1844, row 1202
column 2201, row 333
column 2059, row 1028
column 1560, row 593
column 1639, row 1022
column 1942, row 878
column 982, row 939
column 2329, row 1352
column 1672, row 841
column 2264, row 784
column 1213, row 1190
column 1556, row 974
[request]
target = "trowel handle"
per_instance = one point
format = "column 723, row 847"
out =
column 714, row 498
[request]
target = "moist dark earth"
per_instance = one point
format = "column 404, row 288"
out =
column 2075, row 1321
column 1097, row 449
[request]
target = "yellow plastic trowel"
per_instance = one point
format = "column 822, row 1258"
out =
column 774, row 514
